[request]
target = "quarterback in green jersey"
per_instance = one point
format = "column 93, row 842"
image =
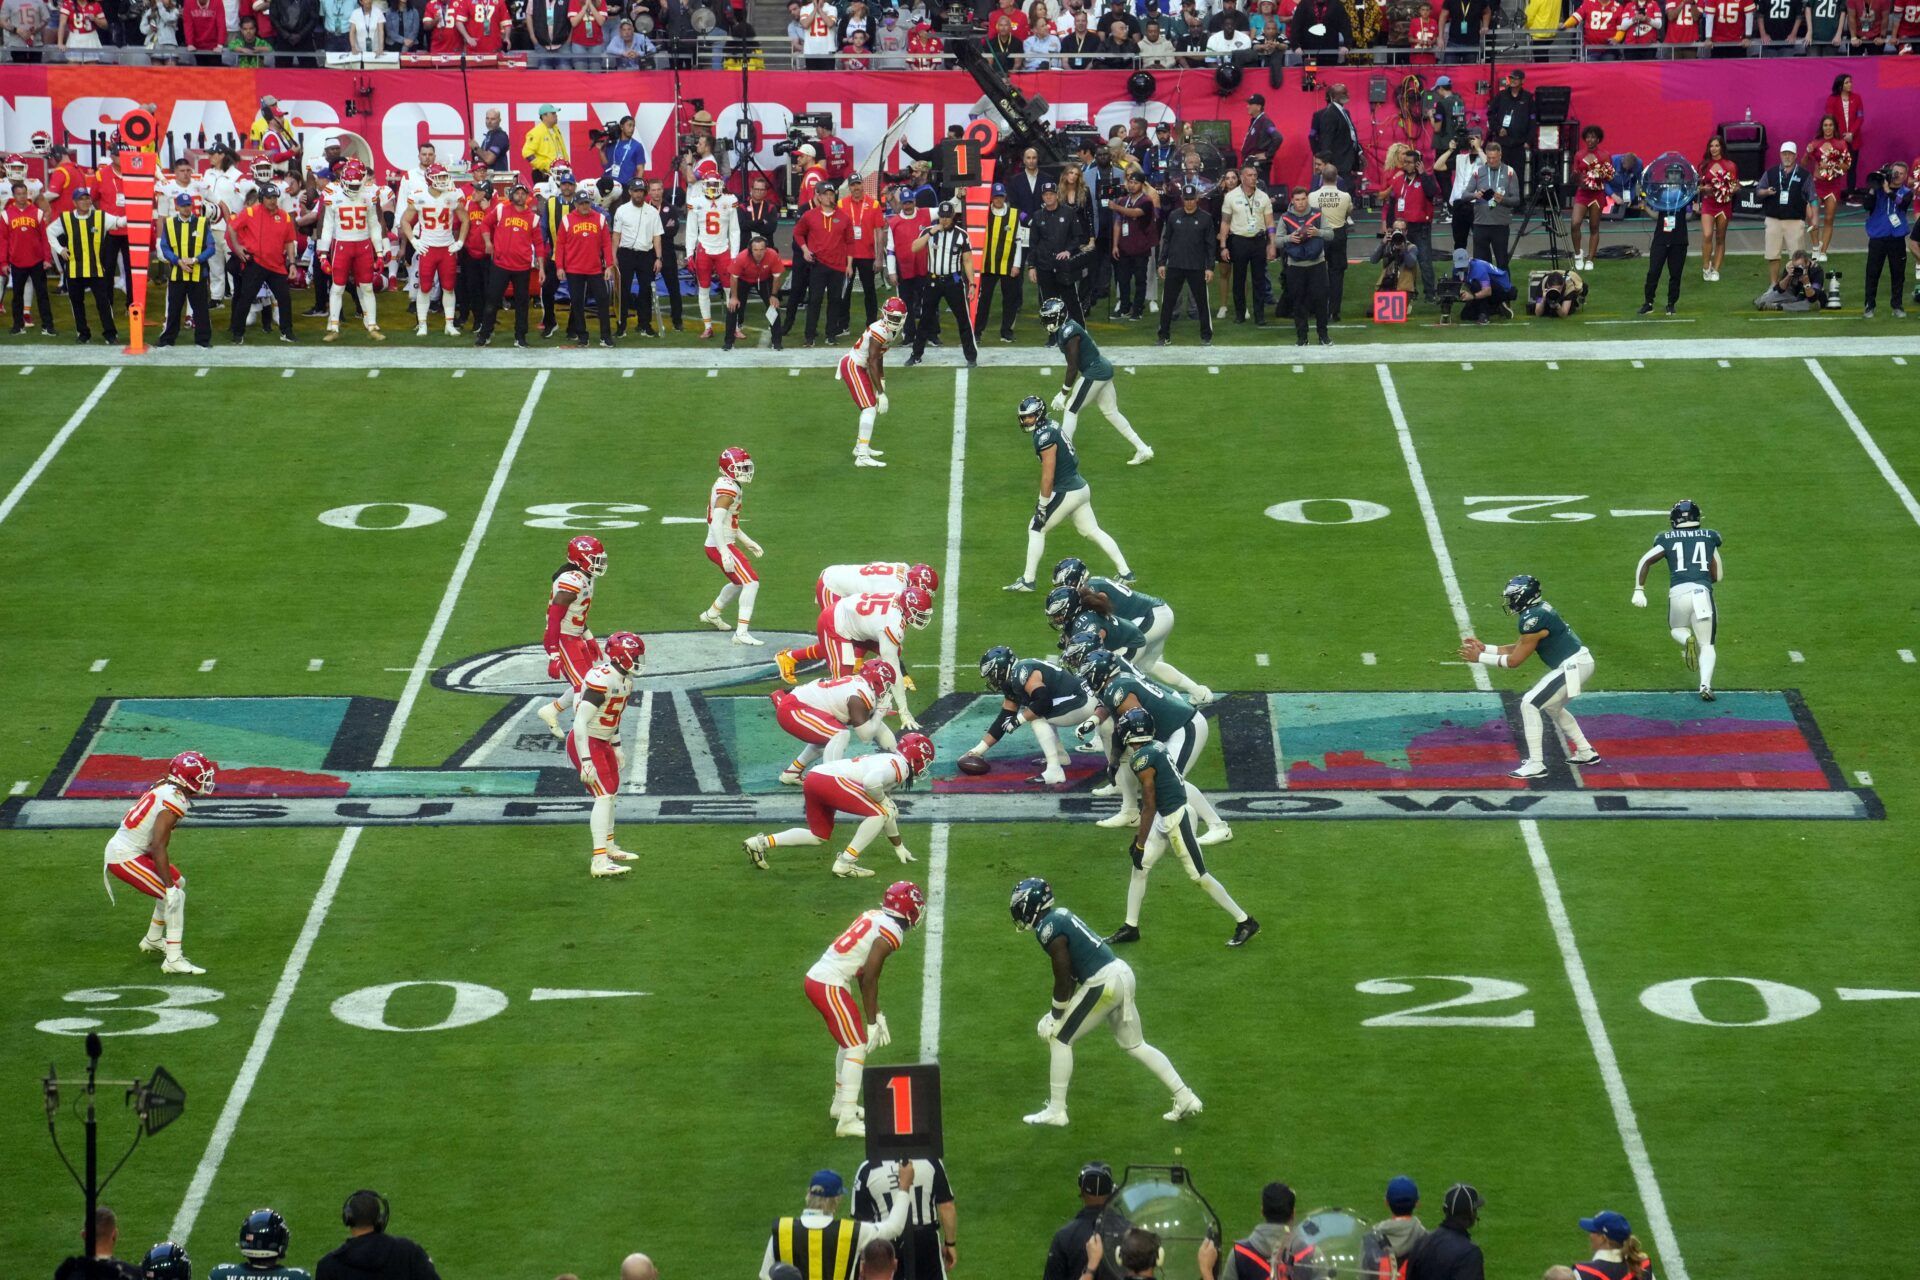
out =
column 1064, row 496
column 1692, row 556
column 1089, row 379
column 1091, row 986
column 1569, row 668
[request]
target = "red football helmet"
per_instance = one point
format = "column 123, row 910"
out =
column 193, row 771
column 353, row 175
column 918, row 749
column 916, row 606
column 879, row 675
column 736, row 464
column 923, row 577
column 588, row 555
column 626, row 651
column 904, row 899
column 894, row 312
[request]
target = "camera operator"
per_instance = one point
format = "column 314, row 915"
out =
column 804, row 166
column 1410, row 195
column 625, row 155
column 1467, row 167
column 1055, row 238
column 1557, row 295
column 1483, row 289
column 1246, row 241
column 1449, row 117
column 1889, row 222
column 1802, row 286
column 1306, row 253
column 1669, row 252
column 1336, row 215
column 699, row 158
column 1399, row 259
column 1497, row 195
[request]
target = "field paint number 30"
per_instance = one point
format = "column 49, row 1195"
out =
column 1677, row 999
column 170, row 1009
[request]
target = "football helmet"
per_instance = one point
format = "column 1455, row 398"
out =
column 1685, row 514
column 904, row 899
column 712, row 187
column 894, row 312
column 1032, row 898
column 40, row 142
column 16, row 168
column 923, row 577
column 1033, row 413
column 1070, row 572
column 1053, row 314
column 587, row 554
column 262, row 170
column 1062, row 604
column 439, row 181
column 918, row 749
column 1521, row 592
column 1134, row 727
column 193, row 771
column 626, row 651
column 996, row 667
column 166, row 1261
column 880, row 677
column 353, row 176
column 737, row 465
column 264, row 1236
column 1078, row 647
column 1099, row 669
column 916, row 606
column 560, row 173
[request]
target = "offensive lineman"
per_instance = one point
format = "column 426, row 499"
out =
column 139, row 853
column 1091, row 985
column 859, row 787
column 1176, row 724
column 1063, row 494
column 435, row 224
column 1152, row 615
column 863, row 369
column 716, row 239
column 827, row 714
column 1088, row 380
column 1038, row 693
column 571, row 648
column 352, row 243
column 724, row 540
column 1692, row 557
column 1569, row 668
column 858, row 954
column 594, row 744
column 1165, row 796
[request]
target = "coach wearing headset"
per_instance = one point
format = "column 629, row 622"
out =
column 369, row 1251
column 1070, row 1256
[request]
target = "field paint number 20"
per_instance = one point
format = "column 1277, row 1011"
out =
column 1677, row 999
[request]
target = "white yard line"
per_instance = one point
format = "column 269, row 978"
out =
column 935, row 925
column 58, row 442
column 263, row 1036
column 1860, row 433
column 1625, row 1121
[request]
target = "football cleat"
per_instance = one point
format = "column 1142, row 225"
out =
column 587, row 554
column 153, row 946
column 1521, row 593
column 784, row 660
column 1032, row 898
column 551, row 718
column 866, row 459
column 918, row 749
column 1243, row 932
column 715, row 621
column 1185, row 1103
column 737, row 464
column 1124, row 934
column 1219, row 833
column 420, row 331
column 192, row 771
column 180, row 964
column 1049, row 1115
column 996, row 667
column 757, row 846
column 1690, row 651
column 1124, row 818
column 849, row 868
column 626, row 651
column 1033, row 413
column 1589, row 756
column 1143, row 454
column 916, row 606
column 904, row 899
column 1106, row 789
column 1051, row 776
column 602, row 867
column 1529, row 769
column 923, row 577
column 880, row 677
column 850, row 1126
column 1706, row 694
column 1019, row 584
column 618, row 854
column 742, row 637
column 1203, row 697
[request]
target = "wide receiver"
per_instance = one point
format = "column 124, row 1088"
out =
column 1088, row 380
column 594, row 744
column 858, row 955
column 725, row 541
column 1569, row 668
column 435, row 224
column 1692, row 557
column 826, row 714
column 860, row 787
column 838, row 581
column 353, row 244
column 863, row 369
column 571, row 648
column 139, row 854
column 1091, row 986
column 716, row 239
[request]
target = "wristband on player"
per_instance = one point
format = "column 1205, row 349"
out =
column 1492, row 658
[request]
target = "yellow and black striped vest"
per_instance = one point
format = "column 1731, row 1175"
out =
column 556, row 209
column 821, row 1253
column 81, row 233
column 1003, row 242
column 187, row 237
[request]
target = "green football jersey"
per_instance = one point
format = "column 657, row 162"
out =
column 1169, row 788
column 1087, row 954
column 1116, row 634
column 1560, row 642
column 240, row 1271
column 1094, row 367
column 1825, row 18
column 1169, row 710
column 1059, row 687
column 1066, row 467
column 1135, row 606
column 1689, row 554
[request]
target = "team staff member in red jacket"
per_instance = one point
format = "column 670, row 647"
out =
column 1410, row 196
column 583, row 249
column 823, row 239
column 470, row 267
column 24, row 224
column 867, row 224
column 756, row 274
column 517, row 246
column 907, row 266
column 263, row 239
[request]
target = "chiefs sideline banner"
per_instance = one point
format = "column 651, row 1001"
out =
column 1645, row 107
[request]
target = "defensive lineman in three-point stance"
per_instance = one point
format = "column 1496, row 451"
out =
column 1569, row 668
column 1091, row 985
column 1692, row 557
column 1063, row 494
column 1088, row 381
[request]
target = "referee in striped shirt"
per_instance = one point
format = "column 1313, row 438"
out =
column 930, row 1243
column 950, row 279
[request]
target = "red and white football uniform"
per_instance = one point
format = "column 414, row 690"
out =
column 876, row 337
column 129, row 858
column 821, row 709
column 850, row 787
column 830, row 981
column 575, row 647
column 167, row 189
column 715, row 226
column 353, row 235
column 860, row 627
column 436, row 220
column 723, row 526
column 593, row 746
column 838, row 581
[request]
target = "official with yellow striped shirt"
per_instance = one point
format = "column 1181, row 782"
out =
column 825, row 1246
column 79, row 240
column 186, row 243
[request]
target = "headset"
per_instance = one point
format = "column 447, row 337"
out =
column 1096, row 1178
column 357, row 1204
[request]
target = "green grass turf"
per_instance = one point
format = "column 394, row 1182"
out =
column 682, row 1120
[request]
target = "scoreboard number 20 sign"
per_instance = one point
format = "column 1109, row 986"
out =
column 903, row 1112
column 1390, row 308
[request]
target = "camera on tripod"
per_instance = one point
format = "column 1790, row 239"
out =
column 807, row 126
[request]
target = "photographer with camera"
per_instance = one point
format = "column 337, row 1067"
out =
column 1889, row 223
column 1399, row 259
column 1482, row 289
column 1555, row 295
column 1497, row 195
column 700, row 156
column 1409, row 197
column 1802, row 286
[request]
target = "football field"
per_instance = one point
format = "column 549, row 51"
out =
column 1682, row 984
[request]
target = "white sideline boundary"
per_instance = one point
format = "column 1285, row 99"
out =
column 263, row 1036
column 59, row 441
column 1488, row 347
column 1659, row 1226
column 1866, row 440
column 935, row 924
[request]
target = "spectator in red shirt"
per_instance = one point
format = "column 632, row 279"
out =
column 867, row 224
column 203, row 27
column 1010, row 10
column 756, row 273
column 483, row 25
column 61, row 180
column 1870, row 20
column 1683, row 25
column 823, row 239
column 442, row 19
column 1729, row 27
column 1423, row 32
column 583, row 251
column 1906, row 24
column 263, row 238
column 1642, row 21
column 907, row 266
column 517, row 246
column 25, row 228
column 588, row 33
column 1409, row 197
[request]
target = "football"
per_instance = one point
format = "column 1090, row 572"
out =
column 974, row 765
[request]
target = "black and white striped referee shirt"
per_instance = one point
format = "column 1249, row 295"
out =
column 874, row 1187
column 947, row 250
